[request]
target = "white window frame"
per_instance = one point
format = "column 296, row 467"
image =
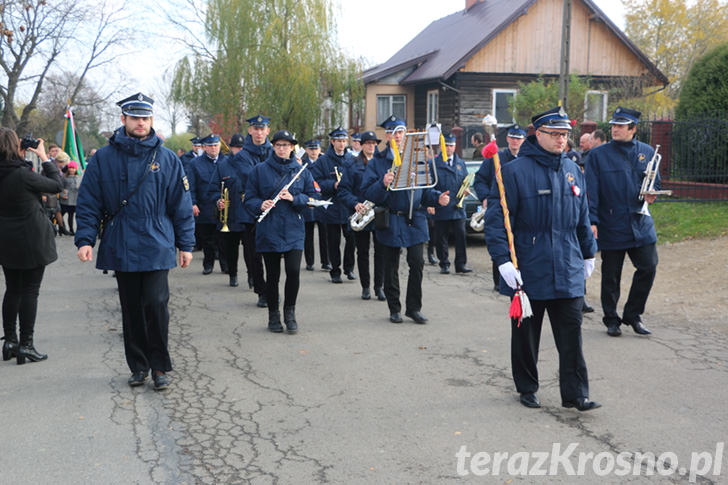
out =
column 605, row 96
column 433, row 117
column 390, row 96
column 496, row 91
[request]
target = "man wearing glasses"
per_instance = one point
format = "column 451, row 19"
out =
column 546, row 196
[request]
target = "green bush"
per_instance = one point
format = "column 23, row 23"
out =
column 705, row 91
column 180, row 140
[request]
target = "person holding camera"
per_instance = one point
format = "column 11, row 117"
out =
column 27, row 242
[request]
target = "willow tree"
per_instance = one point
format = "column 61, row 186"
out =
column 276, row 57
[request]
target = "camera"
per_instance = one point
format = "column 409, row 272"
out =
column 28, row 142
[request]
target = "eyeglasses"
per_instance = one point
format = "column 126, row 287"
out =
column 282, row 145
column 556, row 134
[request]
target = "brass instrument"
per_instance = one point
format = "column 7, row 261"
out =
column 225, row 196
column 464, row 189
column 477, row 220
column 359, row 221
column 338, row 174
column 648, row 183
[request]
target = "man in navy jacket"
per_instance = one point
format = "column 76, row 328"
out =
column 549, row 215
column 614, row 173
column 142, row 190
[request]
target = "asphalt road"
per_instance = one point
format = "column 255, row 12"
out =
column 352, row 398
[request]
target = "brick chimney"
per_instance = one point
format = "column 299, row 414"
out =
column 470, row 3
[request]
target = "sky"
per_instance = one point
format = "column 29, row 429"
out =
column 374, row 30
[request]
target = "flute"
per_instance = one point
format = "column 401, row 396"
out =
column 278, row 197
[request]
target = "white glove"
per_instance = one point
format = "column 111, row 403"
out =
column 510, row 274
column 588, row 267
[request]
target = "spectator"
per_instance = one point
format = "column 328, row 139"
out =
column 71, row 183
column 477, row 141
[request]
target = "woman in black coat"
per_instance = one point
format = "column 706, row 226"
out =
column 27, row 241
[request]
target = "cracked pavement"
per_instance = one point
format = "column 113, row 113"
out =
column 353, row 398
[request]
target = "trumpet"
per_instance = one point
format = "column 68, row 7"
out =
column 359, row 221
column 477, row 220
column 225, row 196
column 648, row 183
column 464, row 190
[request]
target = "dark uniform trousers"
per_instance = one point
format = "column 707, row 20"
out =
column 432, row 242
column 145, row 319
column 292, row 263
column 414, row 281
column 323, row 243
column 231, row 247
column 363, row 239
column 565, row 317
column 333, row 236
column 211, row 245
column 253, row 259
column 442, row 233
column 644, row 259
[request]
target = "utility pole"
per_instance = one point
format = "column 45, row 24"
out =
column 565, row 52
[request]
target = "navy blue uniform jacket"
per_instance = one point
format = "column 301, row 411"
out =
column 614, row 173
column 205, row 189
column 350, row 188
column 485, row 175
column 450, row 178
column 143, row 235
column 310, row 213
column 549, row 215
column 282, row 229
column 234, row 174
column 399, row 234
column 324, row 174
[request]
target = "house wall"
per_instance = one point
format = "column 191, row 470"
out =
column 370, row 111
column 532, row 44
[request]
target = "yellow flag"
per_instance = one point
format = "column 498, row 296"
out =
column 397, row 159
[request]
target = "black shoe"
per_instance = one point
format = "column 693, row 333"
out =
column 289, row 316
column 431, row 259
column 530, row 400
column 444, row 270
column 395, row 317
column 161, row 382
column 309, row 267
column 262, row 302
column 366, row 294
column 463, row 270
column 613, row 330
column 380, row 294
column 418, row 317
column 326, row 267
column 274, row 321
column 336, row 279
column 251, row 283
column 350, row 276
column 10, row 348
column 28, row 351
column 637, row 327
column 137, row 379
column 233, row 281
column 207, row 270
column 586, row 307
column 582, row 404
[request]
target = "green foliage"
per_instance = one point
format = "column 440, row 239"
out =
column 179, row 140
column 705, row 90
column 678, row 221
column 276, row 57
column 540, row 95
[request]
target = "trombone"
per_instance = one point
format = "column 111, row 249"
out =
column 225, row 196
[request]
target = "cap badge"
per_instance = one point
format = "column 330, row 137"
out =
column 140, row 97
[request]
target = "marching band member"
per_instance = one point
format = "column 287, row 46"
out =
column 352, row 195
column 281, row 232
column 614, row 173
column 327, row 173
column 312, row 216
column 451, row 172
column 403, row 231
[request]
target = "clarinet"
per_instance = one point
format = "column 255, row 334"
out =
column 278, row 197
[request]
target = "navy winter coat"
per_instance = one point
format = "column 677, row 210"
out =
column 282, row 229
column 614, row 173
column 485, row 175
column 450, row 178
column 549, row 215
column 205, row 189
column 351, row 191
column 323, row 172
column 143, row 234
column 234, row 174
column 311, row 214
column 399, row 234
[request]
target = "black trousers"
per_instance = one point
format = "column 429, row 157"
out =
column 71, row 211
column 414, row 281
column 333, row 235
column 362, row 239
column 292, row 262
column 231, row 244
column 144, row 297
column 432, row 243
column 644, row 260
column 211, row 245
column 253, row 259
column 323, row 243
column 20, row 302
column 442, row 232
column 565, row 316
